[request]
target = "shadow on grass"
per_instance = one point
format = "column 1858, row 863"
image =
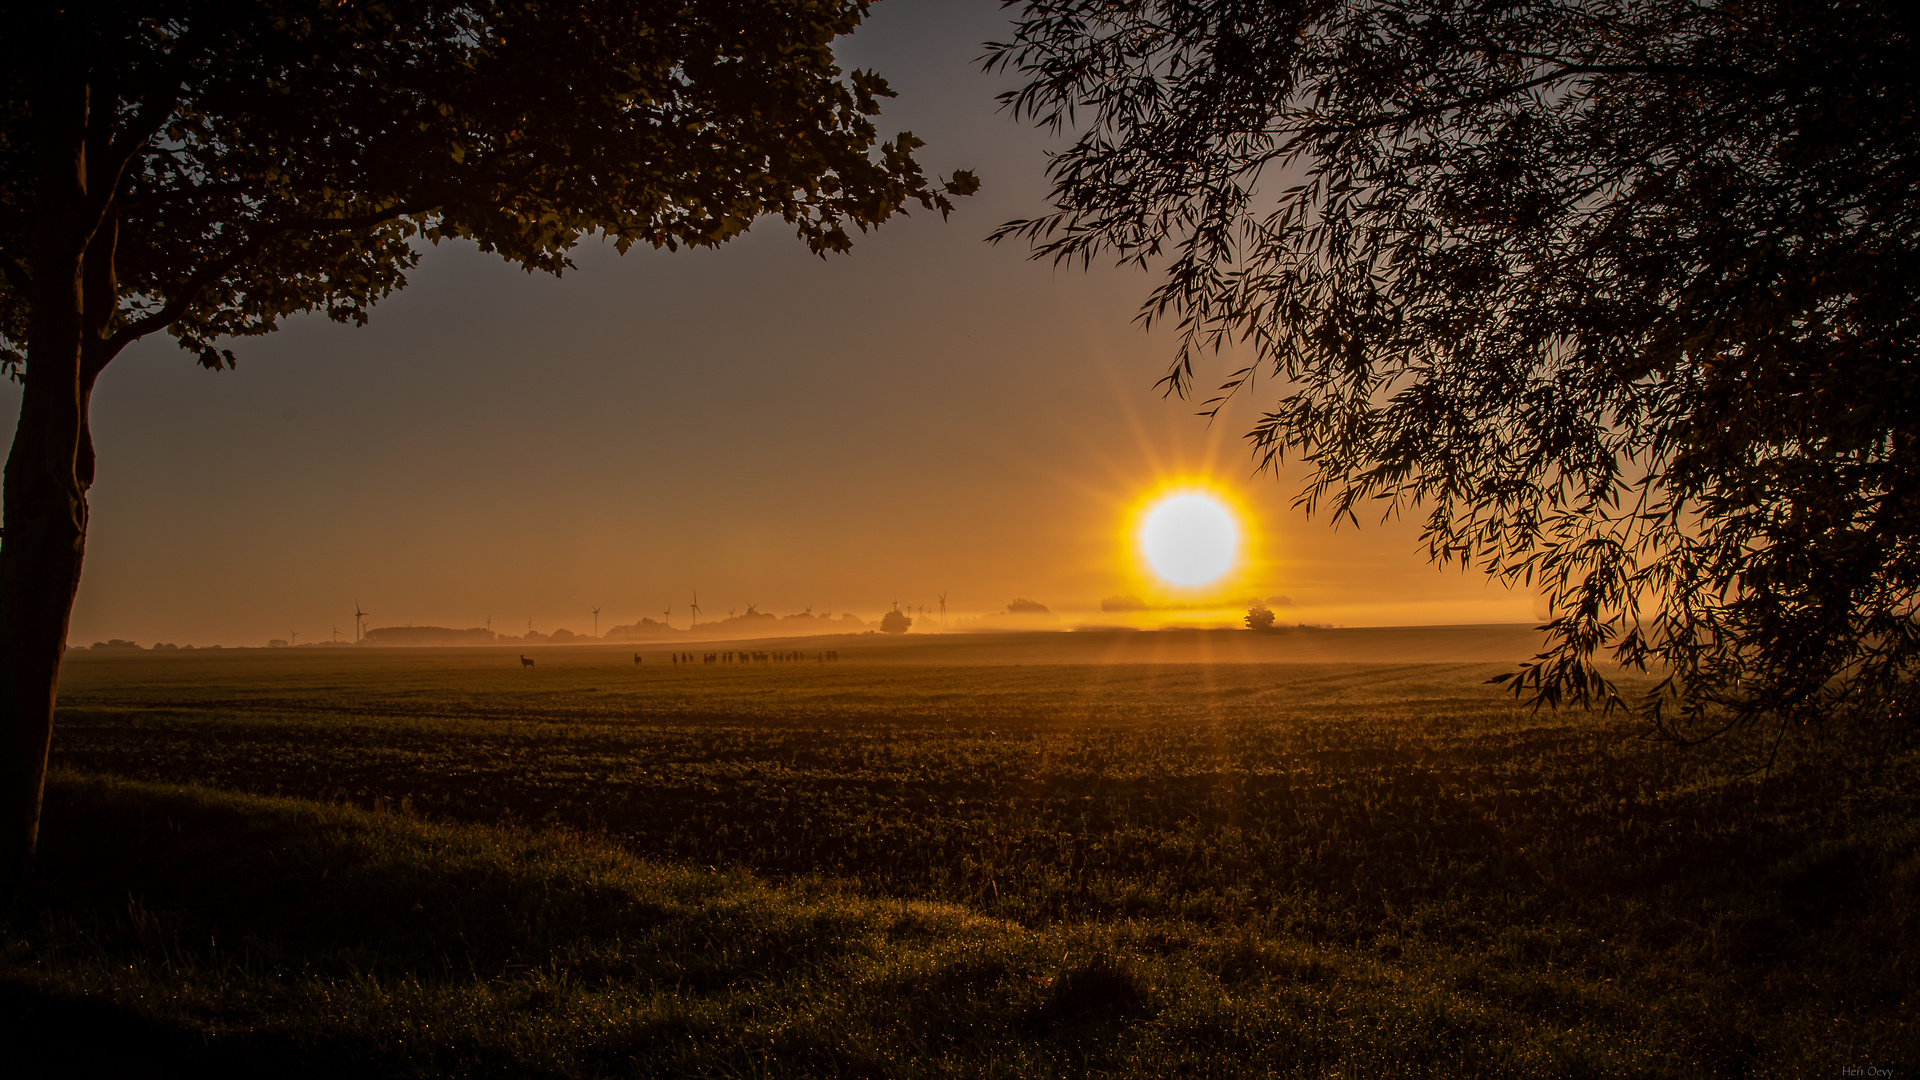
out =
column 177, row 930
column 53, row 1035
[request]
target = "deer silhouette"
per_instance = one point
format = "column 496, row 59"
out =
column 524, row 662
column 636, row 658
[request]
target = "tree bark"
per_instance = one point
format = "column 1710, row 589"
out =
column 48, row 471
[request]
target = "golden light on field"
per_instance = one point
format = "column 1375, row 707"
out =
column 1189, row 537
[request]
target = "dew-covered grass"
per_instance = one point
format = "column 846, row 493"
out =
column 434, row 863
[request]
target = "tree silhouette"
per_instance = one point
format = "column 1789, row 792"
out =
column 895, row 622
column 1259, row 618
column 1620, row 296
column 205, row 170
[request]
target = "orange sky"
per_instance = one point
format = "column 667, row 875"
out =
column 930, row 413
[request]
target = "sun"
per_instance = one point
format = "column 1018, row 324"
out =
column 1189, row 538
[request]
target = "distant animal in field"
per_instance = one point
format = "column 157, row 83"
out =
column 524, row 662
column 636, row 658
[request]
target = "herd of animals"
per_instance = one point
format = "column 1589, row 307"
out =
column 730, row 657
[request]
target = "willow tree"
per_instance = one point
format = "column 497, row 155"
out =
column 1618, row 294
column 205, row 169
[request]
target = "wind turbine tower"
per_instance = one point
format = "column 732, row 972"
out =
column 359, row 617
column 943, row 611
column 696, row 610
column 596, row 622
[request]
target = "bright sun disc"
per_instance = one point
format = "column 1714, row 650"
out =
column 1189, row 539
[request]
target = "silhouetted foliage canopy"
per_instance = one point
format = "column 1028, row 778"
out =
column 258, row 159
column 1620, row 295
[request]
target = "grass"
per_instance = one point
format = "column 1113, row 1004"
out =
column 436, row 865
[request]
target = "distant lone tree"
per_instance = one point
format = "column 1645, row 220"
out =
column 1259, row 618
column 1620, row 296
column 895, row 622
column 205, row 170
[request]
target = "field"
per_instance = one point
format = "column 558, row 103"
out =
column 1191, row 853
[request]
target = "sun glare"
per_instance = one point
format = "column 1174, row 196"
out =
column 1189, row 538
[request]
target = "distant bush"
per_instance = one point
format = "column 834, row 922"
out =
column 1123, row 603
column 1259, row 618
column 895, row 622
column 1020, row 606
column 117, row 644
column 645, row 628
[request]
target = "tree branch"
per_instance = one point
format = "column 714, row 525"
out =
column 120, row 153
column 217, row 269
column 1390, row 119
column 147, row 121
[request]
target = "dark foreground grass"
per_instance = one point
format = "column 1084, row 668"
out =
column 1125, row 869
column 246, row 932
column 197, row 932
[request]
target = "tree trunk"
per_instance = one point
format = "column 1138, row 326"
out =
column 51, row 463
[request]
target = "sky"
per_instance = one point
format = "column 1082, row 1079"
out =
column 932, row 413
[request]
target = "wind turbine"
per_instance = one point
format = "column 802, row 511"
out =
column 293, row 638
column 336, row 633
column 666, row 620
column 696, row 610
column 943, row 611
column 358, row 618
column 596, row 622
